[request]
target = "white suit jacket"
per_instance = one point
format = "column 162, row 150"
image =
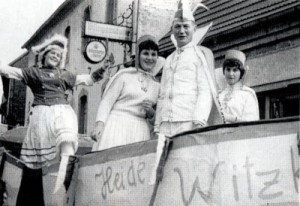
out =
column 185, row 93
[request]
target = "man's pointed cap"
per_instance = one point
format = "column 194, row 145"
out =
column 184, row 11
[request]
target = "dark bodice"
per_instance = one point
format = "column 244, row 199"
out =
column 48, row 85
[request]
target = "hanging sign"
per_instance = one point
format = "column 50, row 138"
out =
column 108, row 31
column 95, row 51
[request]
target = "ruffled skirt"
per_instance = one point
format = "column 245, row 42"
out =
column 49, row 126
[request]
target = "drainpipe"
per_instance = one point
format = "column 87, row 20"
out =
column 98, row 10
column 135, row 20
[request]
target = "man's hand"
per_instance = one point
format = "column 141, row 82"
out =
column 98, row 130
column 198, row 124
column 230, row 118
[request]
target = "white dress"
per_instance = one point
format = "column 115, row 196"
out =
column 239, row 103
column 121, row 108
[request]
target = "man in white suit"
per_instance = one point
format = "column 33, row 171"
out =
column 185, row 99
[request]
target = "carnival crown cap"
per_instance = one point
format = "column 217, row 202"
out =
column 184, row 11
column 237, row 55
column 57, row 41
column 146, row 37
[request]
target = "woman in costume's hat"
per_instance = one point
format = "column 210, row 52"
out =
column 238, row 102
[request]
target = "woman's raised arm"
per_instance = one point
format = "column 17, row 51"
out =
column 11, row 72
column 89, row 80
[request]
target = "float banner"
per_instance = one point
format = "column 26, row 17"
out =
column 254, row 164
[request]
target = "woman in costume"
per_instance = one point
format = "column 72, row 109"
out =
column 238, row 102
column 52, row 129
column 128, row 101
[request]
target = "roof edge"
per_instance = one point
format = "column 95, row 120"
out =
column 19, row 57
column 57, row 11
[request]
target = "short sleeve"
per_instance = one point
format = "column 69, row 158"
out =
column 30, row 75
column 69, row 79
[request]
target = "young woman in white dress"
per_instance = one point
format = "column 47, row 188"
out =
column 238, row 102
column 128, row 101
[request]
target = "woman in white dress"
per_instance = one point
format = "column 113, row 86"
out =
column 128, row 101
column 238, row 102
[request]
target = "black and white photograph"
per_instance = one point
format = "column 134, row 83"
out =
column 149, row 102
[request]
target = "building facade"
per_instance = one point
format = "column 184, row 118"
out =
column 267, row 31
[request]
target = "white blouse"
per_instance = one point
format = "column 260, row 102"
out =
column 239, row 103
column 125, row 93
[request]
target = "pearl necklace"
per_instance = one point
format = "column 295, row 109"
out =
column 143, row 78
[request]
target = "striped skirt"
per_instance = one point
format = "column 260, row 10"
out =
column 49, row 126
column 122, row 129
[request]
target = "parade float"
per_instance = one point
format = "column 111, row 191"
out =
column 247, row 163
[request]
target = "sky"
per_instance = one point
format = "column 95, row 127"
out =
column 19, row 19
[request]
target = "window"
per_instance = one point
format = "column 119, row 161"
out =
column 82, row 121
column 67, row 35
column 111, row 12
column 285, row 102
column 276, row 108
column 278, row 103
column 87, row 14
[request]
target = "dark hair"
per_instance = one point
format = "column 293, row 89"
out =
column 44, row 56
column 234, row 63
column 148, row 44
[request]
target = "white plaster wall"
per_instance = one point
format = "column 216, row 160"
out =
column 275, row 67
column 155, row 17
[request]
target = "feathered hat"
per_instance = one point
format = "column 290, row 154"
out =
column 57, row 41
